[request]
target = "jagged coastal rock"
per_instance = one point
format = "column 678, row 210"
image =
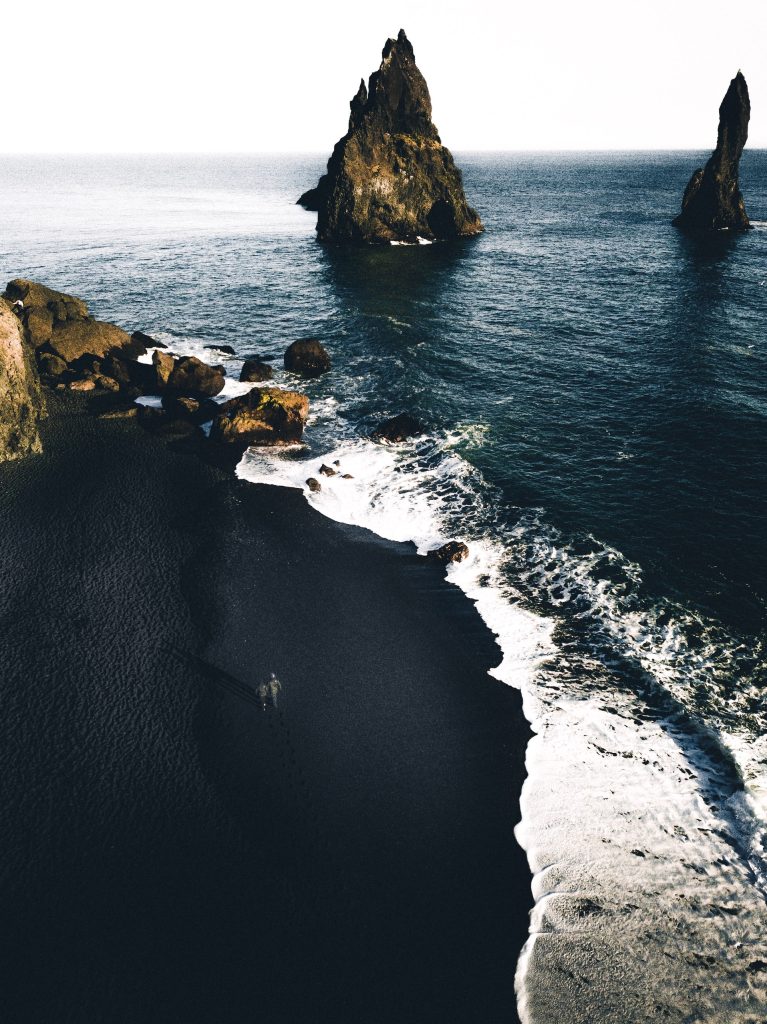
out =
column 389, row 178
column 21, row 400
column 265, row 416
column 712, row 200
column 59, row 323
column 74, row 352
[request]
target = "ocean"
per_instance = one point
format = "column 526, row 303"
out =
column 595, row 390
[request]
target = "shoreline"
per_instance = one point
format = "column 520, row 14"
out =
column 349, row 855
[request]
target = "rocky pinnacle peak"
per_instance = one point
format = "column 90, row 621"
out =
column 389, row 178
column 712, row 200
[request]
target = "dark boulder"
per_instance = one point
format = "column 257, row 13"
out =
column 326, row 470
column 453, row 551
column 314, row 485
column 118, row 369
column 253, row 370
column 145, row 341
column 192, row 377
column 51, row 365
column 712, row 200
column 307, row 357
column 226, row 349
column 265, row 416
column 398, row 428
column 390, row 178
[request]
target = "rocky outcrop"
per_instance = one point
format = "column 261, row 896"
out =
column 307, row 357
column 59, row 323
column 265, row 416
column 390, row 178
column 21, row 401
column 398, row 428
column 712, row 200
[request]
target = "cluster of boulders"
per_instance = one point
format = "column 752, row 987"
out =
column 73, row 351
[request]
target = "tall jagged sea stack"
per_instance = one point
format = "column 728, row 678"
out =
column 390, row 179
column 712, row 200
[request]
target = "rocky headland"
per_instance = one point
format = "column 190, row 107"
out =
column 73, row 351
column 390, row 179
column 712, row 200
column 21, row 400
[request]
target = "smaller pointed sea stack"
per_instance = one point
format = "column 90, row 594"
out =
column 712, row 200
column 389, row 178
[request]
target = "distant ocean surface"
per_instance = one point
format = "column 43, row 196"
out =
column 595, row 387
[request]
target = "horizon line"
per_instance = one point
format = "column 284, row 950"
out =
column 323, row 152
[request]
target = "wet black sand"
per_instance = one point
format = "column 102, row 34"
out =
column 172, row 853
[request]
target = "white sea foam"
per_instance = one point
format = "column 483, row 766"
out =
column 647, row 854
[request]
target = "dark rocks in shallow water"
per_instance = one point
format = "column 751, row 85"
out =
column 453, row 551
column 307, row 357
column 390, row 178
column 191, row 377
column 712, row 200
column 398, row 428
column 226, row 349
column 326, row 470
column 21, row 400
column 314, row 485
column 254, row 371
column 265, row 416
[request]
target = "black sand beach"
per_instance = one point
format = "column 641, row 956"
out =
column 173, row 853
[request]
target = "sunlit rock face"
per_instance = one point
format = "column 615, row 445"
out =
column 389, row 178
column 712, row 200
column 21, row 401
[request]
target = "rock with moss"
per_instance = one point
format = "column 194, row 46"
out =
column 265, row 416
column 389, row 178
column 712, row 200
column 21, row 400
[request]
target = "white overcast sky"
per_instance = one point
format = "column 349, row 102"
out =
column 165, row 76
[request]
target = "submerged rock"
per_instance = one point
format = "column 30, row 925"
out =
column 21, row 400
column 390, row 178
column 453, row 551
column 398, row 428
column 307, row 357
column 265, row 416
column 712, row 200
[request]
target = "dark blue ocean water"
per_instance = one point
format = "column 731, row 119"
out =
column 596, row 390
